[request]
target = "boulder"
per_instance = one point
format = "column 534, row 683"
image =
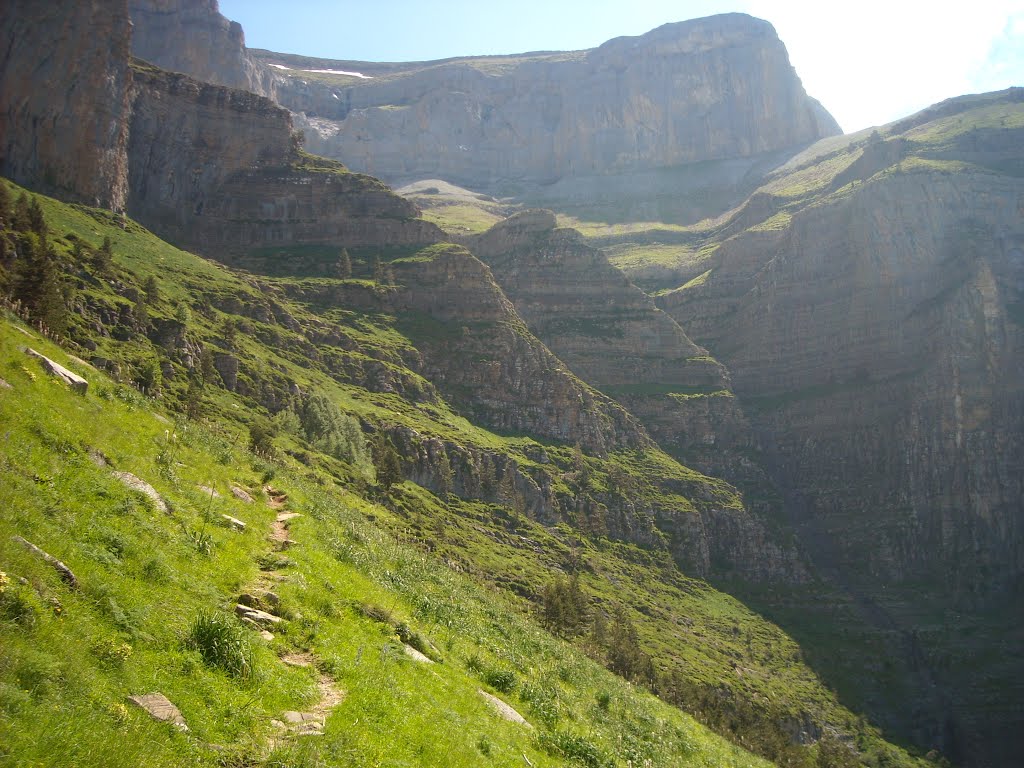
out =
column 160, row 708
column 73, row 380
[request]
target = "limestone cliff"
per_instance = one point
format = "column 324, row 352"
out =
column 191, row 36
column 719, row 88
column 708, row 89
column 215, row 169
column 63, row 140
column 868, row 305
column 588, row 313
column 613, row 336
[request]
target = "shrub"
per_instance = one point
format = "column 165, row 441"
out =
column 223, row 644
column 573, row 747
column 19, row 604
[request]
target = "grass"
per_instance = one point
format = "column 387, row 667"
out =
column 148, row 576
column 65, row 674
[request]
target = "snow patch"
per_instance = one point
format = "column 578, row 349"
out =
column 324, row 71
column 339, row 72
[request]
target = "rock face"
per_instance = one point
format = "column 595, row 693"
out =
column 476, row 350
column 719, row 88
column 874, row 332
column 192, row 37
column 609, row 332
column 81, row 155
column 713, row 88
column 215, row 169
column 613, row 336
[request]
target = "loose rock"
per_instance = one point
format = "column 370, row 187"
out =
column 503, row 709
column 65, row 573
column 415, row 655
column 260, row 618
column 73, row 380
column 160, row 708
column 140, row 485
column 234, row 522
column 241, row 494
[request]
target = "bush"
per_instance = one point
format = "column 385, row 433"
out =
column 503, row 680
column 332, row 431
column 223, row 644
column 18, row 603
column 573, row 747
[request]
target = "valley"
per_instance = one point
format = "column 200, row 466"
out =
column 686, row 428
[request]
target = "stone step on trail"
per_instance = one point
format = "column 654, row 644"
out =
column 311, row 722
column 160, row 708
column 256, row 618
column 279, row 529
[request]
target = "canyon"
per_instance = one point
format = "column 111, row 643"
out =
column 817, row 397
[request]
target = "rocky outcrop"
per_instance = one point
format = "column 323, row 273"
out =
column 64, row 98
column 191, row 36
column 612, row 335
column 720, row 87
column 874, row 334
column 216, row 170
column 476, row 350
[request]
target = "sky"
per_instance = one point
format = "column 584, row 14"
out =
column 869, row 62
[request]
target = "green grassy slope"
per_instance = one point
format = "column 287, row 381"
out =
column 947, row 138
column 72, row 656
column 146, row 577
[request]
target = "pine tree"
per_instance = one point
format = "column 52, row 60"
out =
column 140, row 315
column 386, row 462
column 39, row 283
column 343, row 267
column 37, row 222
column 207, row 369
column 152, row 290
column 103, row 259
column 20, row 219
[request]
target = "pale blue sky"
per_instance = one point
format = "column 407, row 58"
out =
column 868, row 62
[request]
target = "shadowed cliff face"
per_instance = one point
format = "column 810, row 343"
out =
column 608, row 331
column 870, row 315
column 613, row 336
column 69, row 142
column 215, row 169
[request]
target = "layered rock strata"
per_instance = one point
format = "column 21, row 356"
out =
column 869, row 309
column 216, row 170
column 64, row 98
column 719, row 88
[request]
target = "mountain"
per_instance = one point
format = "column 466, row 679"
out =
column 543, row 126
column 866, row 301
column 814, row 408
